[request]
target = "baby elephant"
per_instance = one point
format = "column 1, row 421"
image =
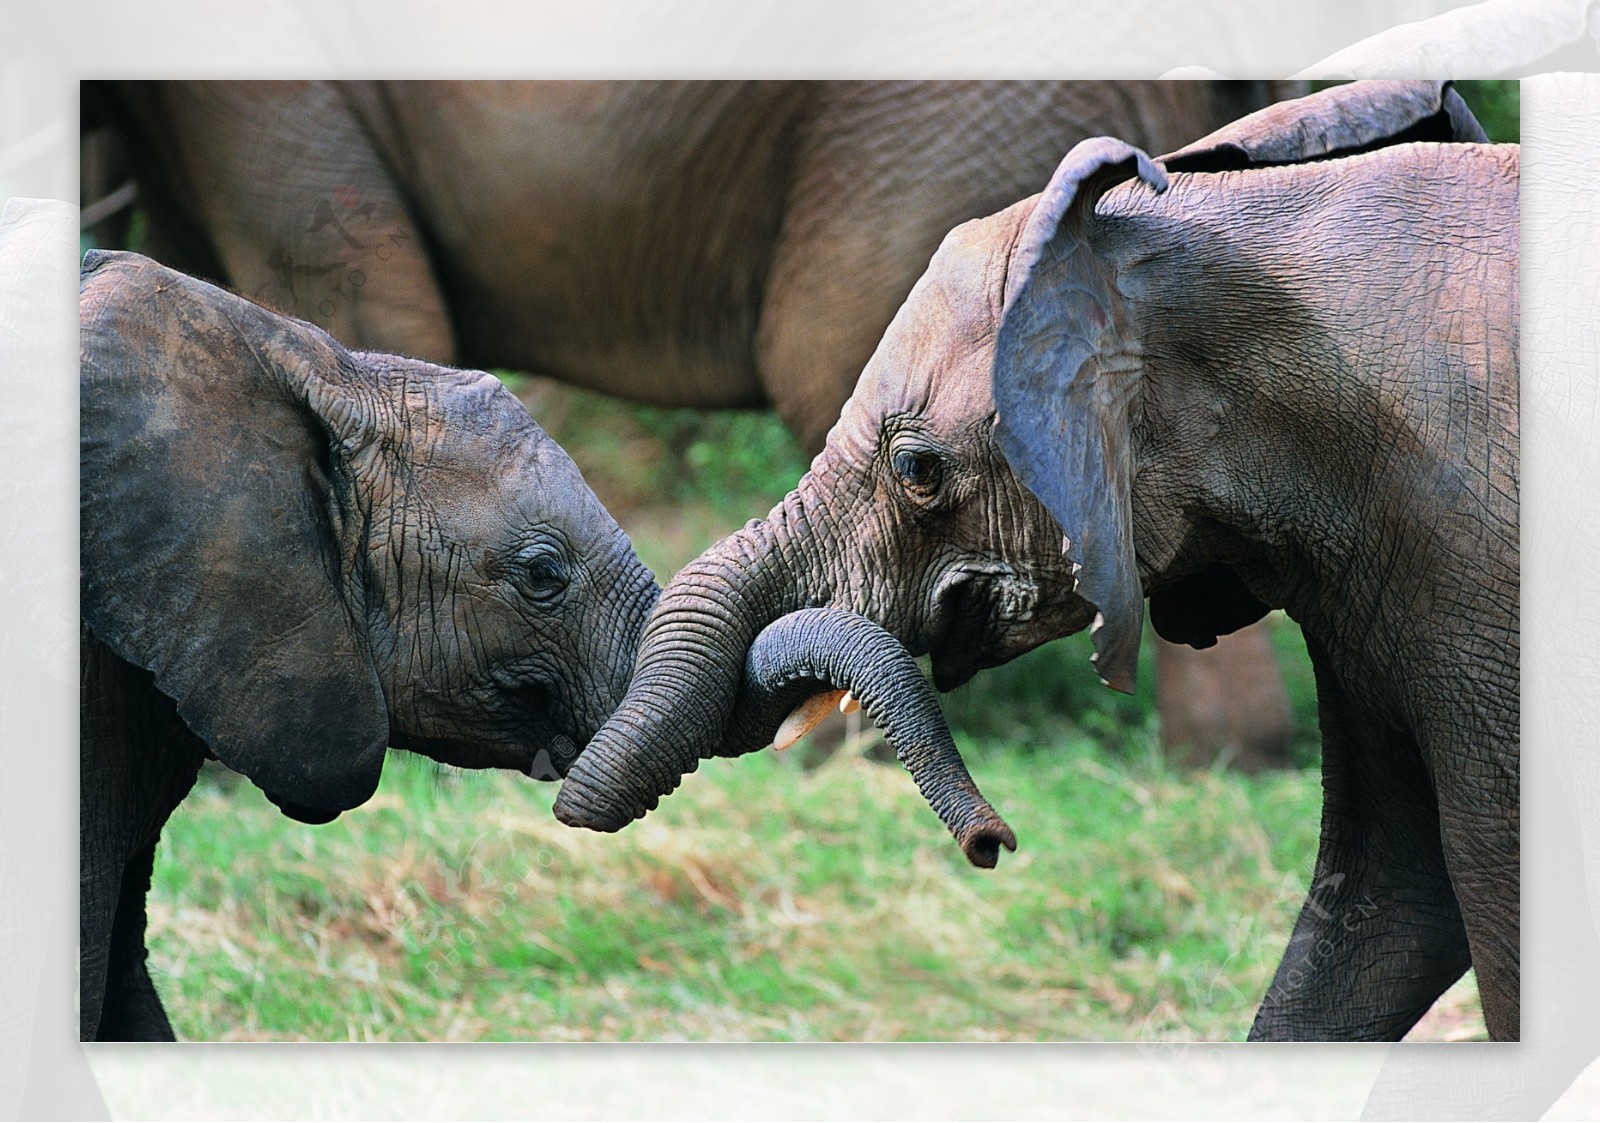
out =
column 294, row 557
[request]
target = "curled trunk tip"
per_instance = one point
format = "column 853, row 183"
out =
column 831, row 649
column 981, row 839
column 626, row 769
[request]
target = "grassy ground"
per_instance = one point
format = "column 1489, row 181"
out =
column 765, row 900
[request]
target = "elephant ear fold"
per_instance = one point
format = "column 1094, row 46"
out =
column 1340, row 121
column 211, row 494
column 1066, row 370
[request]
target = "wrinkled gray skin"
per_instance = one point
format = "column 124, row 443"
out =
column 294, row 556
column 1290, row 380
column 698, row 244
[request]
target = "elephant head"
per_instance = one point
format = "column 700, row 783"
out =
column 1099, row 393
column 320, row 553
column 908, row 517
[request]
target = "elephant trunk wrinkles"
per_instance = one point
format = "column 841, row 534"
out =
column 691, row 660
column 817, row 648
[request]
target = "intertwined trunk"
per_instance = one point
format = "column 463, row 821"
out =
column 690, row 666
column 730, row 651
column 814, row 649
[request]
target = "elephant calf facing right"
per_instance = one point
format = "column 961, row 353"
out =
column 1285, row 377
column 295, row 556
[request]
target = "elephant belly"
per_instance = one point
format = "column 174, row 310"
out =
column 616, row 236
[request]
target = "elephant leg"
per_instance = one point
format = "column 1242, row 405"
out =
column 106, row 822
column 1479, row 821
column 97, row 909
column 820, row 323
column 316, row 228
column 137, row 761
column 131, row 1010
column 857, row 231
column 1380, row 936
column 1224, row 699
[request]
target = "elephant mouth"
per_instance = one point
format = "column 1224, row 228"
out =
column 986, row 614
column 552, row 761
column 551, row 741
column 541, row 756
column 965, row 612
column 517, row 722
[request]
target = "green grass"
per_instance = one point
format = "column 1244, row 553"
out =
column 1497, row 104
column 763, row 901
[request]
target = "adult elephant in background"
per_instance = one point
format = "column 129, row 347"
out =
column 706, row 244
column 294, row 556
column 678, row 243
column 1289, row 379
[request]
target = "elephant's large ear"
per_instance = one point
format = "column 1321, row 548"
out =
column 210, row 519
column 1339, row 121
column 1064, row 375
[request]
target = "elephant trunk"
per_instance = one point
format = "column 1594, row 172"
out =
column 815, row 649
column 690, row 665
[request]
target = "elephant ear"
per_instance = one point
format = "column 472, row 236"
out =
column 1065, row 372
column 1340, row 121
column 210, row 462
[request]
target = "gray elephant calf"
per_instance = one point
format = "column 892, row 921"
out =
column 295, row 556
column 1287, row 380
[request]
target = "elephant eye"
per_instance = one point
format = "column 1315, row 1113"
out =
column 919, row 470
column 540, row 575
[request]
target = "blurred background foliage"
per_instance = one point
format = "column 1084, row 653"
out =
column 1498, row 107
column 784, row 896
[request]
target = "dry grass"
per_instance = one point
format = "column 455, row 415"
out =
column 762, row 902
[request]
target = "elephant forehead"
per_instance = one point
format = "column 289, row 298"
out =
column 937, row 355
column 485, row 482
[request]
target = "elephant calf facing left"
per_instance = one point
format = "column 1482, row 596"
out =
column 295, row 556
column 1279, row 370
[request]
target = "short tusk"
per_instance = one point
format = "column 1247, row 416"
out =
column 849, row 704
column 804, row 718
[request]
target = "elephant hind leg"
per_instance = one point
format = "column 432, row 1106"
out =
column 308, row 221
column 131, row 1010
column 1380, row 936
column 1375, row 945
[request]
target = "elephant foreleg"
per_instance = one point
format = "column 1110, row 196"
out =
column 1380, row 936
column 137, row 762
column 131, row 1010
